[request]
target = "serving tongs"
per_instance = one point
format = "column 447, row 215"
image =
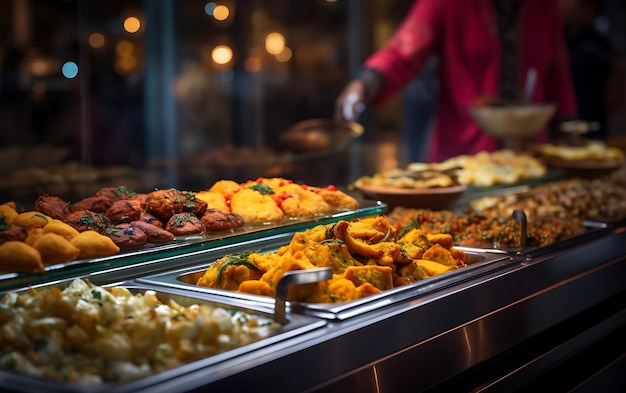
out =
column 296, row 277
column 520, row 216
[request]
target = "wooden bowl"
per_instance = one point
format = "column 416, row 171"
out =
column 520, row 122
column 417, row 198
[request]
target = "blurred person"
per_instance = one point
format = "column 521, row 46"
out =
column 484, row 48
column 597, row 70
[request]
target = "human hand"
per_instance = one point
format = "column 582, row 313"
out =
column 351, row 102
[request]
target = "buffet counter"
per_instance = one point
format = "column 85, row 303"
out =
column 506, row 325
column 499, row 331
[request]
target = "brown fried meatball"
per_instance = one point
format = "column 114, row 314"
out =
column 84, row 220
column 153, row 232
column 9, row 232
column 126, row 235
column 115, row 193
column 215, row 220
column 165, row 203
column 52, row 206
column 194, row 205
column 98, row 204
column 151, row 219
column 184, row 224
column 141, row 198
column 124, row 210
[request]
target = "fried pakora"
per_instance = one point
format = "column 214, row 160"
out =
column 184, row 224
column 124, row 210
column 256, row 207
column 17, row 256
column 126, row 235
column 215, row 220
column 366, row 256
column 92, row 244
column 55, row 248
column 301, row 201
column 52, row 206
column 154, row 233
column 84, row 220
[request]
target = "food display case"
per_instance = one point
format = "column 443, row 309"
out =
column 509, row 320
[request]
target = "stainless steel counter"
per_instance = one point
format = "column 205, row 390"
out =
column 500, row 329
column 497, row 332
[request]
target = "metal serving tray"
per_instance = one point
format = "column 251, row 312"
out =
column 183, row 245
column 478, row 264
column 294, row 326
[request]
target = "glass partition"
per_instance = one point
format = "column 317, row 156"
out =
column 166, row 93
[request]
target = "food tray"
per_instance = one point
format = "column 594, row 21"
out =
column 477, row 264
column 295, row 326
column 182, row 245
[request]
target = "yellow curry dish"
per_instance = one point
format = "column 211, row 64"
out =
column 366, row 256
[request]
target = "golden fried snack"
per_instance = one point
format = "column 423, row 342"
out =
column 33, row 235
column 55, row 248
column 85, row 220
column 13, row 205
column 299, row 201
column 31, row 219
column 337, row 198
column 8, row 213
column 126, row 235
column 215, row 220
column 184, row 224
column 154, row 233
column 230, row 271
column 52, row 206
column 124, row 210
column 17, row 256
column 60, row 228
column 226, row 187
column 92, row 244
column 378, row 276
column 12, row 232
column 255, row 207
column 214, row 199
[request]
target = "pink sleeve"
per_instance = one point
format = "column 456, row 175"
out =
column 559, row 84
column 403, row 56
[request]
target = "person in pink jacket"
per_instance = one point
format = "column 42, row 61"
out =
column 484, row 48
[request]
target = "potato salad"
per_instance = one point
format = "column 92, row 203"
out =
column 91, row 334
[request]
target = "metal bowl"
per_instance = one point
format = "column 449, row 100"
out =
column 520, row 122
column 320, row 134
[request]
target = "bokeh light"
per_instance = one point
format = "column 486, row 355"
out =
column 274, row 43
column 132, row 24
column 70, row 70
column 222, row 54
column 209, row 8
column 124, row 48
column 285, row 55
column 221, row 12
column 96, row 40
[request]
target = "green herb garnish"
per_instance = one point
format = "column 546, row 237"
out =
column 237, row 260
column 262, row 188
column 96, row 294
column 414, row 224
